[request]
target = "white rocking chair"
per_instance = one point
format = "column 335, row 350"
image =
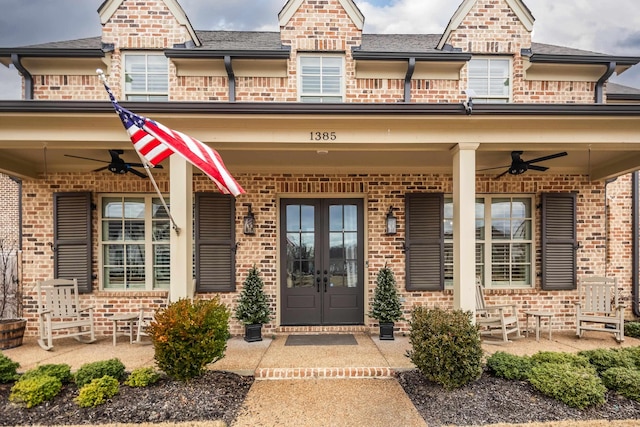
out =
column 599, row 307
column 496, row 318
column 59, row 310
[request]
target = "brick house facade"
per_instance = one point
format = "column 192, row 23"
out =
column 400, row 128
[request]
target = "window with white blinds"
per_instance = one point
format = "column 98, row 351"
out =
column 321, row 78
column 135, row 235
column 146, row 77
column 504, row 241
column 490, row 79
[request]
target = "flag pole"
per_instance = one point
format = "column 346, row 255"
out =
column 146, row 166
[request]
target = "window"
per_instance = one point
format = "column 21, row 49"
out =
column 504, row 241
column 321, row 78
column 490, row 79
column 134, row 240
column 146, row 77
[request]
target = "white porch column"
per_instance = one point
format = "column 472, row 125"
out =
column 464, row 240
column 181, row 201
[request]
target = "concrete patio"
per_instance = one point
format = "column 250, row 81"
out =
column 271, row 359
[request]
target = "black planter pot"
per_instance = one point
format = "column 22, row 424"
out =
column 253, row 333
column 386, row 331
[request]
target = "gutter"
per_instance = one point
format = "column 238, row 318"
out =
column 293, row 108
column 407, row 79
column 28, row 78
column 242, row 54
column 418, row 56
column 635, row 238
column 232, row 78
column 600, row 84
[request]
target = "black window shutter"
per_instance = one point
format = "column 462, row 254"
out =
column 215, row 242
column 559, row 241
column 72, row 238
column 424, row 241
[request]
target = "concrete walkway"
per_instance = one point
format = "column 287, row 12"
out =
column 341, row 385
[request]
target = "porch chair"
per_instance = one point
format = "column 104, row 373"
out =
column 59, row 311
column 501, row 318
column 599, row 308
column 145, row 318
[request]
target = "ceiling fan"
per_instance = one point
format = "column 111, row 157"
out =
column 116, row 165
column 519, row 166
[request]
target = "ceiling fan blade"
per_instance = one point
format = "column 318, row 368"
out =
column 497, row 167
column 86, row 158
column 137, row 165
column 542, row 159
column 538, row 168
column 100, row 169
column 502, row 174
column 136, row 172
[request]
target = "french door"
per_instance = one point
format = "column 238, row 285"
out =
column 322, row 261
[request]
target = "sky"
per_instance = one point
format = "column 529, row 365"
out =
column 609, row 26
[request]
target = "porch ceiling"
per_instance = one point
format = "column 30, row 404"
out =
column 35, row 143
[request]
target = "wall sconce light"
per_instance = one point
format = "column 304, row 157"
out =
column 392, row 222
column 249, row 223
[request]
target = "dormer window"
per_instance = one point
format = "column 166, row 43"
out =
column 490, row 78
column 321, row 78
column 146, row 77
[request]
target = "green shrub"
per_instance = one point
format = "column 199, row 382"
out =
column 35, row 390
column 189, row 335
column 625, row 381
column 578, row 387
column 558, row 357
column 60, row 371
column 632, row 329
column 634, row 355
column 509, row 366
column 605, row 358
column 142, row 377
column 8, row 369
column 97, row 391
column 91, row 371
column 445, row 346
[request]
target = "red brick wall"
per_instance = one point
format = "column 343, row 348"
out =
column 490, row 28
column 605, row 246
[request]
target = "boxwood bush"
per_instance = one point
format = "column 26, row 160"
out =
column 509, row 366
column 91, row 371
column 625, row 381
column 61, row 371
column 142, row 377
column 632, row 329
column 577, row 386
column 34, row 390
column 8, row 369
column 559, row 357
column 97, row 391
column 445, row 346
column 606, row 358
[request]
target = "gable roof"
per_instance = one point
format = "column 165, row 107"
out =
column 109, row 7
column 290, row 8
column 517, row 6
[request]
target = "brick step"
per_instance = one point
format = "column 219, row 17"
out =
column 323, row 373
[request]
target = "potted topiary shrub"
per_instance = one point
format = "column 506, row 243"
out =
column 12, row 325
column 253, row 309
column 386, row 308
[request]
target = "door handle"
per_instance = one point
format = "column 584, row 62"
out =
column 325, row 280
column 318, row 281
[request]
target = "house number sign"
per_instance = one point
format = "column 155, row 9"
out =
column 322, row 136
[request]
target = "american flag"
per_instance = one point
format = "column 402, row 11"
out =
column 155, row 142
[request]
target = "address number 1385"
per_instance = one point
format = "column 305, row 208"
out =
column 322, row 136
